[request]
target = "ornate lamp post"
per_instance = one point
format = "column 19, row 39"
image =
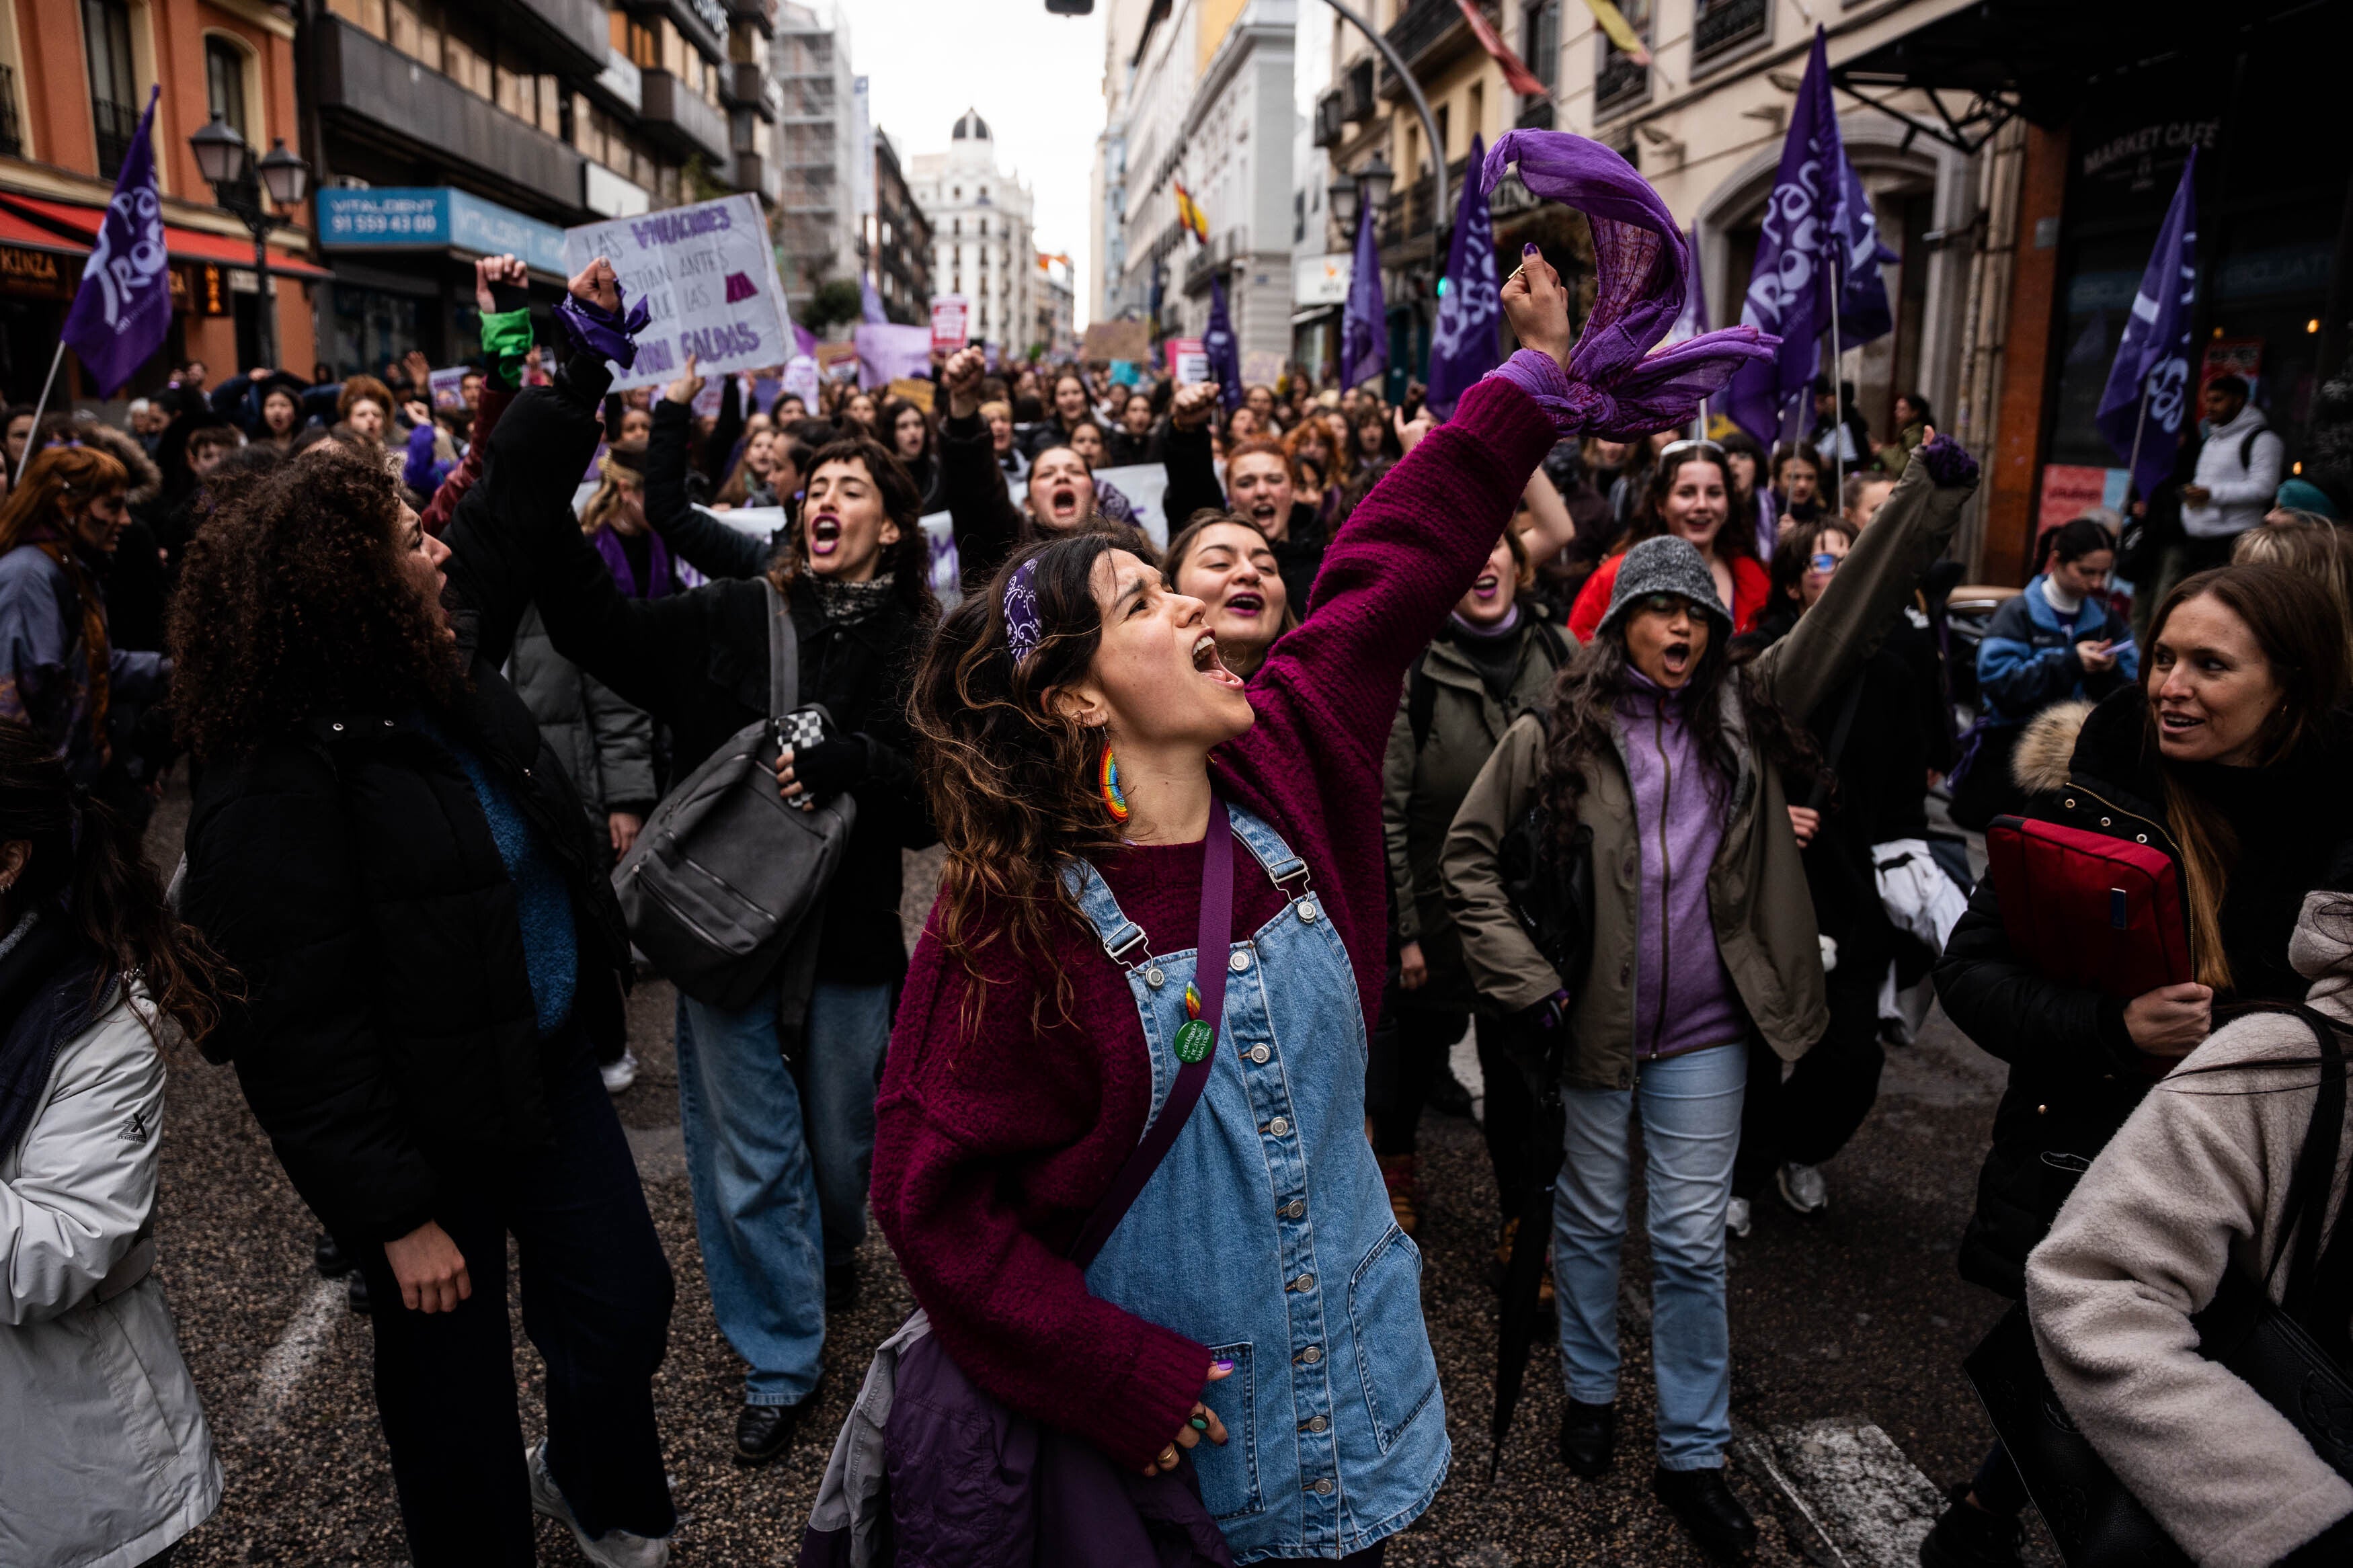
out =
column 227, row 165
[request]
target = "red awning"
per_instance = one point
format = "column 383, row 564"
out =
column 80, row 222
column 14, row 230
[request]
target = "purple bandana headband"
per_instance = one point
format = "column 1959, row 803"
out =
column 1022, row 631
column 1614, row 386
column 601, row 331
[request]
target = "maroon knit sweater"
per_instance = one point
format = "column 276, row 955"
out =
column 994, row 1142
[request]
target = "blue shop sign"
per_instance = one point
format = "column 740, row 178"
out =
column 434, row 217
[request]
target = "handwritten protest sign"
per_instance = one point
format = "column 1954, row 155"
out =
column 449, row 387
column 950, row 321
column 916, row 391
column 1117, row 340
column 709, row 276
column 1188, row 360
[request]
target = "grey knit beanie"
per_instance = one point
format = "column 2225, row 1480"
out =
column 1663, row 565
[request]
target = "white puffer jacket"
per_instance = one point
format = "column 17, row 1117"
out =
column 105, row 1459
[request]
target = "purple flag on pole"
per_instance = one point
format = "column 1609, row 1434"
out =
column 869, row 304
column 1863, row 313
column 2150, row 379
column 1788, row 293
column 1219, row 347
column 1463, row 345
column 1364, row 334
column 123, row 309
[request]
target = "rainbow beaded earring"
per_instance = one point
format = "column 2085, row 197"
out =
column 1112, row 799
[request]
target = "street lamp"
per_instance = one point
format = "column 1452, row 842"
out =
column 226, row 164
column 1342, row 194
column 1373, row 182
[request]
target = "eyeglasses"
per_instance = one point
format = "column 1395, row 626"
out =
column 1824, row 562
column 1662, row 603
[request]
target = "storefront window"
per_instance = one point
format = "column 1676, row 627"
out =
column 373, row 328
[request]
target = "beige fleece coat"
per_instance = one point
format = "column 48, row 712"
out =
column 2195, row 1183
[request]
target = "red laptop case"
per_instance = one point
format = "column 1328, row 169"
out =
column 2088, row 909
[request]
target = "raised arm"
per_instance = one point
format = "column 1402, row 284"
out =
column 1874, row 582
column 703, row 541
column 1185, row 454
column 505, row 300
column 981, row 514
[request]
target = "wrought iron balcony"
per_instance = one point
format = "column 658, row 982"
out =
column 1619, row 83
column 1720, row 24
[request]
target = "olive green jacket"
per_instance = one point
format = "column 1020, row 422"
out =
column 1762, row 914
column 1422, row 785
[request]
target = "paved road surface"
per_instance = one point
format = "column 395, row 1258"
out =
column 1847, row 1334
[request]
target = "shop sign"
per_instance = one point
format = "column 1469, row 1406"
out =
column 434, row 217
column 2069, row 489
column 1321, row 279
column 2137, row 164
column 40, row 273
column 200, row 288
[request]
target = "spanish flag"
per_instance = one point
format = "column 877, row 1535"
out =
column 1189, row 214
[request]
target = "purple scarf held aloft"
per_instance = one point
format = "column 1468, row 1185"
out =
column 1614, row 386
column 617, row 562
column 611, row 333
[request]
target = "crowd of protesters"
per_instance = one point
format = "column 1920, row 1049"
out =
column 1638, row 756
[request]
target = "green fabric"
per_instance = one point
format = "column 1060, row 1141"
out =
column 506, row 339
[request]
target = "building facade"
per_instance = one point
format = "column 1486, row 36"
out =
column 981, row 246
column 1054, row 302
column 74, row 77
column 898, row 239
column 816, row 222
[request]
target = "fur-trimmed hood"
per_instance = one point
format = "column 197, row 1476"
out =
column 2047, row 745
column 146, row 479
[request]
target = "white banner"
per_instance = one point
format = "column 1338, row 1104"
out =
column 708, row 274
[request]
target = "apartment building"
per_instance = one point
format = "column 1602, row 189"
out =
column 981, row 246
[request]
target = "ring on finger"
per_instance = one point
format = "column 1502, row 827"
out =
column 1168, row 1454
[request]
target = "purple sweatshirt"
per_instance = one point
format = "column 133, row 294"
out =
column 1683, row 999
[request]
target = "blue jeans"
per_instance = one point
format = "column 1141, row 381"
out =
column 779, row 1185
column 1690, row 1107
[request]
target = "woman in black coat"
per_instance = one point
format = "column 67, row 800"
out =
column 778, row 1158
column 2231, row 756
column 384, row 847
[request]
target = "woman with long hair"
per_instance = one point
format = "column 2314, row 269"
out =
column 1088, row 752
column 1227, row 563
column 1070, row 407
column 1744, row 462
column 748, row 480
column 2228, row 754
column 61, row 673
column 1914, row 420
column 2315, row 546
column 1688, row 495
column 907, row 431
column 2056, row 642
column 777, row 1157
column 383, row 844
column 1671, row 754
column 99, row 1466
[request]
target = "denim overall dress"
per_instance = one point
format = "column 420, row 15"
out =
column 1265, row 1235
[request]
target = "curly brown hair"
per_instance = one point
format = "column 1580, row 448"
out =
column 293, row 604
column 1013, row 782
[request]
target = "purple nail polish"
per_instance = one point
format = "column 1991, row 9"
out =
column 1221, row 1366
column 1530, row 249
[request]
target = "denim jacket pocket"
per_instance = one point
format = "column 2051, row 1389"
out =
column 1393, row 1354
column 1229, row 1472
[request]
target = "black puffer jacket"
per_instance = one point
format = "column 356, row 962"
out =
column 348, row 872
column 697, row 661
column 2074, row 1073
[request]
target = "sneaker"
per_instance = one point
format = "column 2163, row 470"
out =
column 619, row 1075
column 1803, row 1189
column 1735, row 1217
column 615, row 1547
column 764, row 1431
column 1967, row 1536
column 1707, row 1508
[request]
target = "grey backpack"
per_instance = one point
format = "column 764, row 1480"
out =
column 726, row 872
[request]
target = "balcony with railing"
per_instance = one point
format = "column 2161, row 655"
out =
column 115, row 125
column 1429, row 36
column 1719, row 26
column 679, row 118
column 11, row 130
column 1411, row 212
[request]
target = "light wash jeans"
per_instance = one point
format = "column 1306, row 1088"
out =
column 1690, row 1106
column 779, row 1182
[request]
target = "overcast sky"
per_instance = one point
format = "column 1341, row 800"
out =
column 1036, row 79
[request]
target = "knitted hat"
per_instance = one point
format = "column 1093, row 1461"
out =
column 2303, row 495
column 1663, row 565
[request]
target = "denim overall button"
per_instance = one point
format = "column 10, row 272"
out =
column 1154, row 977
column 1318, row 1425
column 1258, row 1054
column 1307, row 911
column 1312, row 1355
column 1323, row 1487
column 1238, row 961
column 1304, row 1284
column 1279, row 1126
column 1294, row 1208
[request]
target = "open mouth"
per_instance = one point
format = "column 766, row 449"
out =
column 1261, row 513
column 1245, row 604
column 2177, row 723
column 1063, row 504
column 1486, row 588
column 824, row 535
column 1676, row 660
column 1206, row 661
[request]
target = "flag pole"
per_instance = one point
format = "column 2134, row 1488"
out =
column 2140, row 423
column 1838, row 402
column 39, row 407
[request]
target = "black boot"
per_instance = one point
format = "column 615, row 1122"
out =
column 1588, row 1437
column 328, row 1258
column 764, row 1431
column 1967, row 1536
column 356, row 1292
column 1447, row 1096
column 840, row 1287
column 1704, row 1505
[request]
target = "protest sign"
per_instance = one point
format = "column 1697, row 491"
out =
column 950, row 321
column 914, row 389
column 1261, row 367
column 887, row 352
column 1117, row 340
column 1189, row 362
column 800, row 380
column 708, row 275
column 1143, row 484
column 1126, row 373
column 449, row 387
column 836, row 361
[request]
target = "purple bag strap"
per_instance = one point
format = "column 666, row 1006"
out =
column 1216, row 930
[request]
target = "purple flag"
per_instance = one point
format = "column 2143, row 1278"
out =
column 1462, row 344
column 869, row 304
column 1365, row 333
column 2148, row 395
column 1863, row 313
column 1788, row 295
column 1217, row 345
column 887, row 353
column 123, row 309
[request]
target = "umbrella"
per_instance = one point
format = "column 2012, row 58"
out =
column 1537, row 1057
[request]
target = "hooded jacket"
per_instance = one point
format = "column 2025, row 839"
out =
column 2239, row 488
column 2196, row 1184
column 1761, row 913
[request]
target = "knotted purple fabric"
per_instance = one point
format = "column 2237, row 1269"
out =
column 1614, row 386
column 608, row 332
